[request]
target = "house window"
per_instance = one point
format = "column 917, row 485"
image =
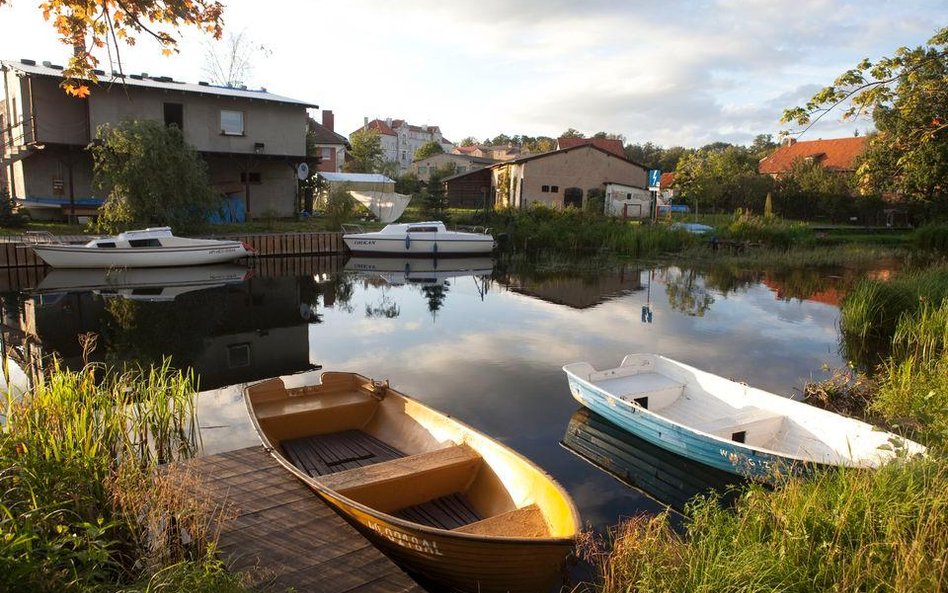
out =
column 238, row 356
column 251, row 177
column 232, row 123
column 545, row 188
column 554, row 189
column 404, row 156
column 174, row 115
column 422, row 170
column 325, row 153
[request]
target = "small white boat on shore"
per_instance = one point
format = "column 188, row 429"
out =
column 427, row 239
column 147, row 248
column 725, row 424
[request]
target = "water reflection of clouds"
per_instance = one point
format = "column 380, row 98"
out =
column 494, row 362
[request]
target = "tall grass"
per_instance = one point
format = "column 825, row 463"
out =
column 540, row 229
column 931, row 237
column 871, row 312
column 86, row 501
column 845, row 530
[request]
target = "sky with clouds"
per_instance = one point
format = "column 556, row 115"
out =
column 674, row 72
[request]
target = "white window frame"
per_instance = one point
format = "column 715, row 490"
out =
column 232, row 129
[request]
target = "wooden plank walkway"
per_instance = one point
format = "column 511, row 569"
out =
column 285, row 537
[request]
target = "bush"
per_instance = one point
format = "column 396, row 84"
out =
column 339, row 206
column 932, row 237
column 540, row 228
column 771, row 231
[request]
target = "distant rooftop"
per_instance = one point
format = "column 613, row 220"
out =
column 156, row 82
column 355, row 177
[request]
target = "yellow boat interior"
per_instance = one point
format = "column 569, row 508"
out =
column 375, row 446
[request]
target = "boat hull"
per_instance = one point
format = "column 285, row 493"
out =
column 523, row 525
column 727, row 425
column 80, row 256
column 724, row 455
column 461, row 564
column 375, row 245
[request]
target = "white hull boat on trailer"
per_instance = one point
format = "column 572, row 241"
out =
column 419, row 239
column 147, row 248
column 728, row 425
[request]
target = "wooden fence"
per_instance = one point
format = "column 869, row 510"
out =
column 15, row 253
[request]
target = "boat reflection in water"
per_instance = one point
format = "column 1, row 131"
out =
column 420, row 272
column 142, row 284
column 670, row 479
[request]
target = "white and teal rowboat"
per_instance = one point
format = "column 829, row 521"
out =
column 728, row 425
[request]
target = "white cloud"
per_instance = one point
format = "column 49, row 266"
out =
column 672, row 73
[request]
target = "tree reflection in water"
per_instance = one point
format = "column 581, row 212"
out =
column 686, row 293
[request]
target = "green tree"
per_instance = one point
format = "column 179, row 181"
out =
column 572, row 133
column 906, row 95
column 809, row 191
column 366, row 152
column 339, row 205
column 468, row 141
column 763, row 145
column 722, row 179
column 433, row 197
column 152, row 177
column 428, row 149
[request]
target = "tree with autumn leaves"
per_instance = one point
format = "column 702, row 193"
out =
column 91, row 25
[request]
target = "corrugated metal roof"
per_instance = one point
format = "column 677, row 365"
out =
column 356, row 177
column 164, row 83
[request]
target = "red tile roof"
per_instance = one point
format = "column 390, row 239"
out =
column 837, row 154
column 378, row 125
column 607, row 144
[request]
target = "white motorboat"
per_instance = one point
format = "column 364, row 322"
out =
column 143, row 284
column 427, row 239
column 418, row 271
column 147, row 248
column 725, row 424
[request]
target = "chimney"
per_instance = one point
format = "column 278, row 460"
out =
column 328, row 120
column 388, row 122
column 788, row 141
column 365, row 122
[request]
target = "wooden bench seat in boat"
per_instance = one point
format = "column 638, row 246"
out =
column 525, row 522
column 651, row 391
column 756, row 424
column 408, row 481
column 293, row 413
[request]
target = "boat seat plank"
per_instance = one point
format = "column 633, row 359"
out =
column 396, row 470
column 446, row 512
column 525, row 522
column 742, row 418
column 302, row 404
column 324, row 454
column 660, row 390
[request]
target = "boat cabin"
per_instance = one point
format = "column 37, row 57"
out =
column 150, row 237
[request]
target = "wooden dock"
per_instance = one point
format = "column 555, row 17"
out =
column 284, row 537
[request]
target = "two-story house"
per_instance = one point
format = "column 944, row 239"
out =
column 400, row 140
column 329, row 146
column 252, row 140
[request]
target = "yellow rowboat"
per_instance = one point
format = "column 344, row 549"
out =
column 444, row 501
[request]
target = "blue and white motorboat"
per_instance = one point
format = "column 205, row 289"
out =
column 725, row 424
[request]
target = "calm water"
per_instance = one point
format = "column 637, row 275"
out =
column 478, row 341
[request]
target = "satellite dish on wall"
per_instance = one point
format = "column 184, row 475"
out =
column 302, row 171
